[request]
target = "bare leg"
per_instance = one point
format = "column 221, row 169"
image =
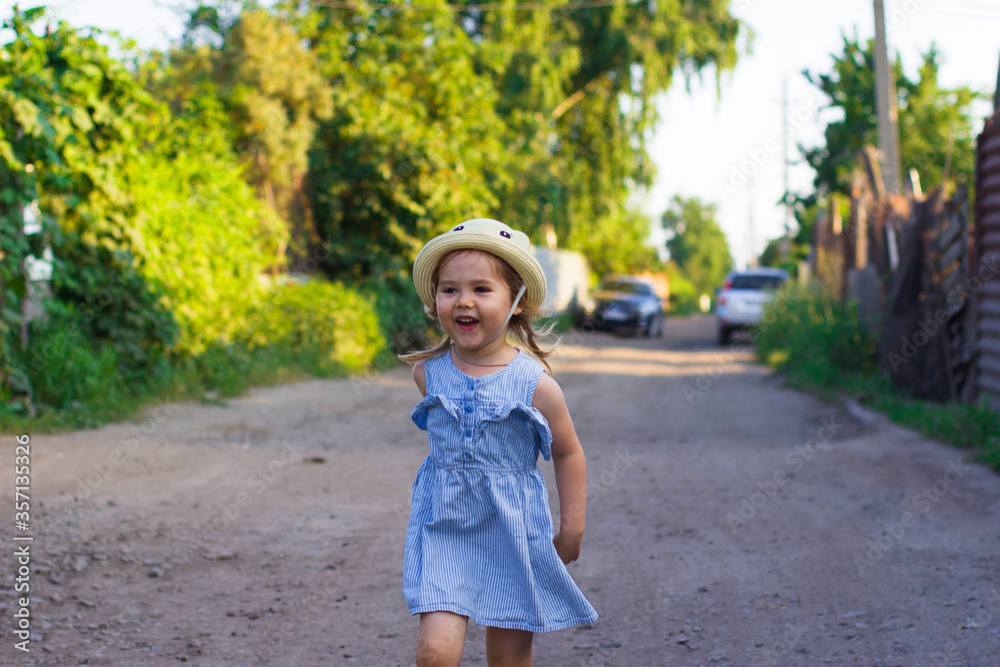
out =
column 441, row 640
column 508, row 648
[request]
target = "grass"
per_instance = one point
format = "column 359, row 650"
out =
column 309, row 330
column 104, row 397
column 821, row 347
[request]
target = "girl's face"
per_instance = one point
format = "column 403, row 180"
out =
column 472, row 300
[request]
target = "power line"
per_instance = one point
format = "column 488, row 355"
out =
column 520, row 6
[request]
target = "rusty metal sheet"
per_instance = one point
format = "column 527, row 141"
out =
column 987, row 244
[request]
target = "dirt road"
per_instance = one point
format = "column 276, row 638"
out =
column 732, row 521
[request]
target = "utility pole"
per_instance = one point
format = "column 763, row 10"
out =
column 786, row 242
column 752, row 259
column 885, row 107
column 996, row 94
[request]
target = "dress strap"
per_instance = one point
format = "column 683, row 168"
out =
column 530, row 373
column 433, row 368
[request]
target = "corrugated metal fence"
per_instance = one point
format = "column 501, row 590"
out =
column 987, row 243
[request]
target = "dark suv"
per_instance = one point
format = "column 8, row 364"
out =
column 624, row 304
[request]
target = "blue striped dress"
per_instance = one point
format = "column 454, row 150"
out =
column 479, row 540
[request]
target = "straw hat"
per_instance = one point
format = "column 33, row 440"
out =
column 490, row 236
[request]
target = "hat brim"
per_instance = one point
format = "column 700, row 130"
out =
column 520, row 260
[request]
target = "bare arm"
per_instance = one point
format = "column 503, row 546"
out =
column 570, row 468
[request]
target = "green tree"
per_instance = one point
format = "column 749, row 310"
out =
column 554, row 111
column 413, row 141
column 200, row 236
column 72, row 119
column 697, row 243
column 437, row 114
column 930, row 119
column 577, row 87
column 257, row 64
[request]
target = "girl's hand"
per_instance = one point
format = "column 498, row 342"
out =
column 567, row 546
column 570, row 468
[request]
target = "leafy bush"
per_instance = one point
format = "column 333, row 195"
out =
column 401, row 315
column 806, row 331
column 67, row 379
column 822, row 346
column 683, row 295
column 113, row 304
column 200, row 236
column 70, row 120
column 315, row 329
column 325, row 326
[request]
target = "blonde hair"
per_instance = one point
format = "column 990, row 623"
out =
column 520, row 327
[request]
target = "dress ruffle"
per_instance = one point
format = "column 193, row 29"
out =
column 421, row 409
column 531, row 414
column 497, row 414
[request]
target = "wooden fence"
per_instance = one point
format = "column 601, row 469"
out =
column 905, row 261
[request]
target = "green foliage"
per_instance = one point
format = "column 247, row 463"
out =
column 774, row 254
column 115, row 304
column 933, row 120
column 71, row 119
column 537, row 118
column 929, row 117
column 412, row 142
column 973, row 427
column 200, row 236
column 159, row 245
column 821, row 346
column 683, row 294
column 578, row 89
column 295, row 331
column 68, row 372
column 401, row 316
column 328, row 327
column 170, row 187
column 257, row 66
column 697, row 244
column 815, row 332
column 620, row 246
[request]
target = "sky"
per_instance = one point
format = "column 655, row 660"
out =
column 711, row 137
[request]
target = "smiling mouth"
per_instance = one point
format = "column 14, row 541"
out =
column 466, row 323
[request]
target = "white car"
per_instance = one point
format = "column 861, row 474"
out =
column 740, row 303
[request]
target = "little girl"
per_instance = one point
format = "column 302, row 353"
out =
column 479, row 543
